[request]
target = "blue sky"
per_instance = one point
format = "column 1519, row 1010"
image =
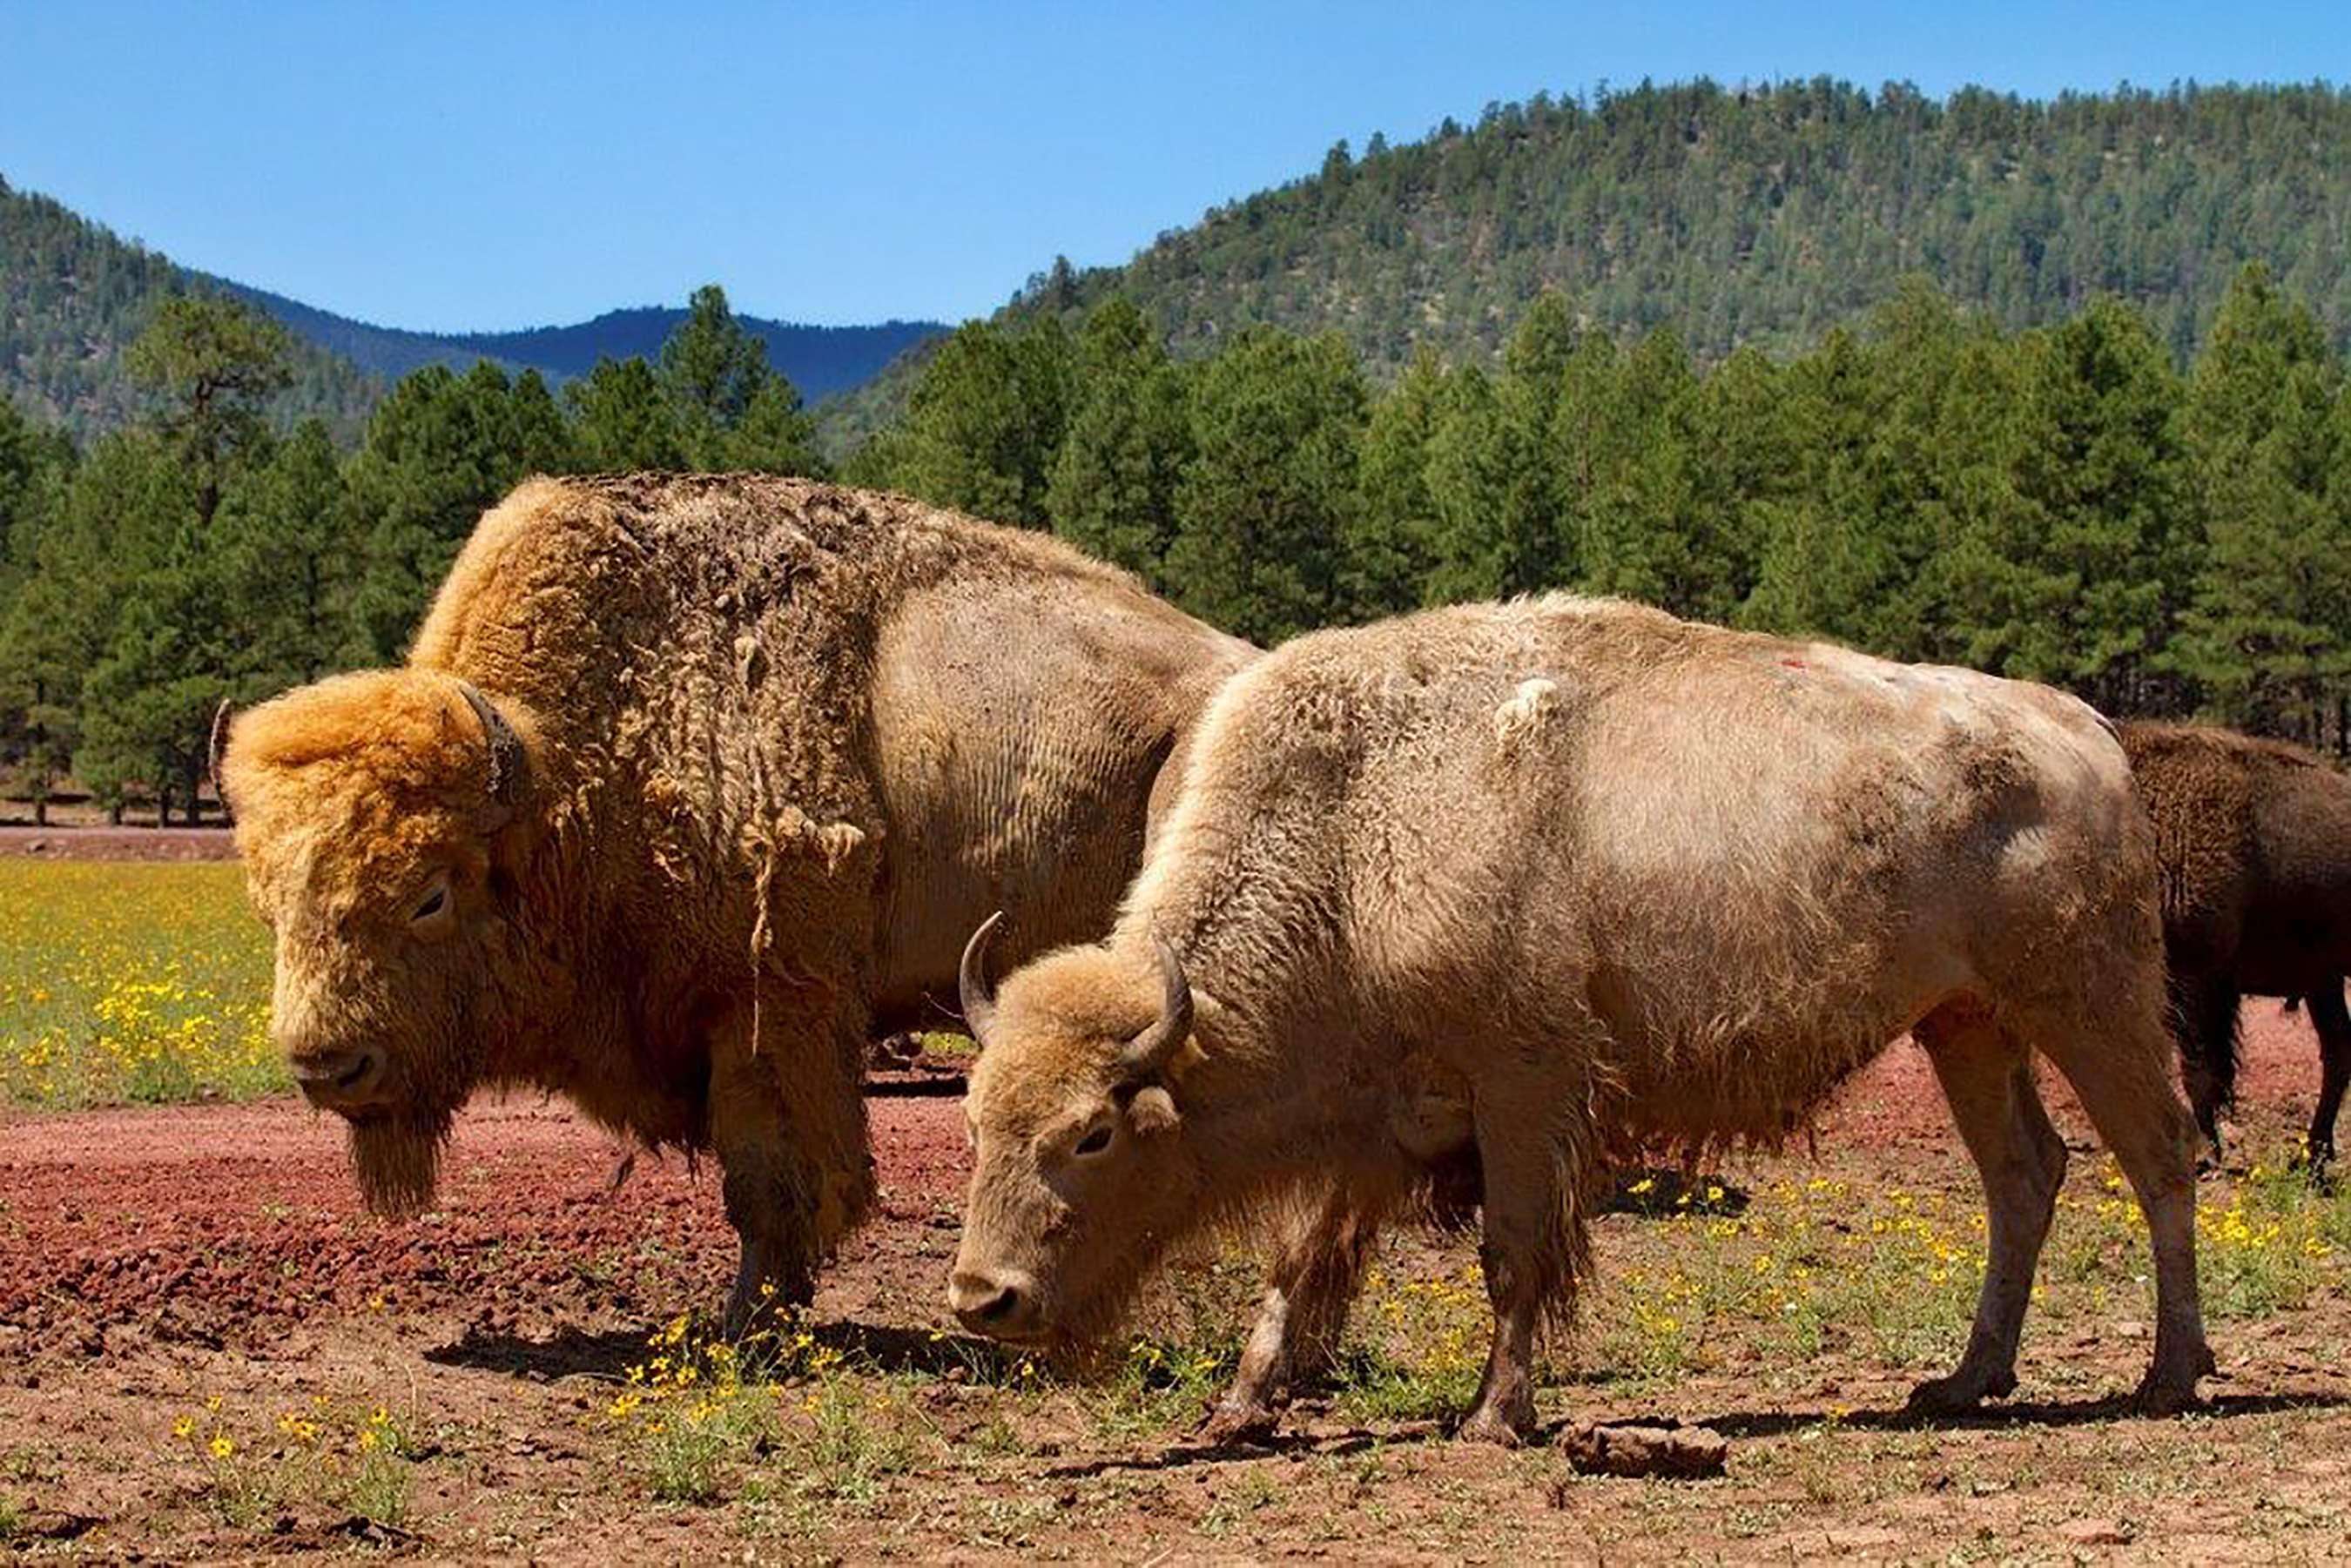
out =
column 510, row 164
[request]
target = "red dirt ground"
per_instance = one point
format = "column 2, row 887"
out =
column 213, row 1222
column 227, row 1224
column 222, row 1223
column 151, row 1257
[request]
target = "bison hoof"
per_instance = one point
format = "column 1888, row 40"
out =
column 2166, row 1397
column 1238, row 1426
column 1506, row 1429
column 1958, row 1393
column 2170, row 1386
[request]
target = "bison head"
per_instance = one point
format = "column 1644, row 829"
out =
column 1081, row 1172
column 370, row 812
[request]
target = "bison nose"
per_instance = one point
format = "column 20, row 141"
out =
column 1002, row 1304
column 339, row 1080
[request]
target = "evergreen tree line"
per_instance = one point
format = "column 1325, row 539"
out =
column 2060, row 502
column 200, row 555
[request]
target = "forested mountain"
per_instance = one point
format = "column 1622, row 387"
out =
column 73, row 294
column 1753, row 217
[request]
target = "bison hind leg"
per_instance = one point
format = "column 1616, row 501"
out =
column 2332, row 1022
column 1987, row 1077
column 2110, row 1041
column 2203, row 1010
column 1537, row 1149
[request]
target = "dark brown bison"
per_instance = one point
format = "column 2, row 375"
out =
column 688, row 785
column 2252, row 845
column 1569, row 881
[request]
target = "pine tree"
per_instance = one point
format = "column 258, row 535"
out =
column 171, row 655
column 712, row 369
column 2098, row 470
column 214, row 364
column 2265, row 635
column 537, row 436
column 775, row 435
column 440, row 451
column 985, row 423
column 289, row 560
column 624, row 420
column 731, row 409
column 121, row 562
column 35, row 727
column 1476, row 457
column 1391, row 552
column 1111, row 491
column 1271, row 488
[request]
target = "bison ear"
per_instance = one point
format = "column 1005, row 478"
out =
column 1153, row 1110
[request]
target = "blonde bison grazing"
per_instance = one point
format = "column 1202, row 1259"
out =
column 688, row 784
column 1566, row 880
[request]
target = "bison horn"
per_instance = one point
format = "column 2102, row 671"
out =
column 1148, row 1053
column 506, row 746
column 217, row 747
column 972, row 987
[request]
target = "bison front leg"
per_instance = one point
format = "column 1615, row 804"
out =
column 788, row 1124
column 1301, row 1319
column 1987, row 1077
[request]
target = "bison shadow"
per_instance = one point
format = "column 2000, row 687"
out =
column 1334, row 1444
column 1654, row 1192
column 2008, row 1413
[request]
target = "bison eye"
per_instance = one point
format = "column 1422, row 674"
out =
column 1093, row 1143
column 432, row 904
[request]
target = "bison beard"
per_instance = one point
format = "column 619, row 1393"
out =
column 397, row 1159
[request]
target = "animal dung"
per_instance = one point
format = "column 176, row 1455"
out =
column 1670, row 1453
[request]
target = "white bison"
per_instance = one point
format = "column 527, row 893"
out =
column 1564, row 881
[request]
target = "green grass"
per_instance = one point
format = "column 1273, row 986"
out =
column 130, row 984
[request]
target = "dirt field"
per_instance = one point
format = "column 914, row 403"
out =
column 98, row 843
column 208, row 1352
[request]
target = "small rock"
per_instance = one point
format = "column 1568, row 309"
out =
column 1682, row 1453
column 2130, row 1328
column 2094, row 1532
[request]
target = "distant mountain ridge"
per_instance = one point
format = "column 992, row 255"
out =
column 821, row 360
column 73, row 294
